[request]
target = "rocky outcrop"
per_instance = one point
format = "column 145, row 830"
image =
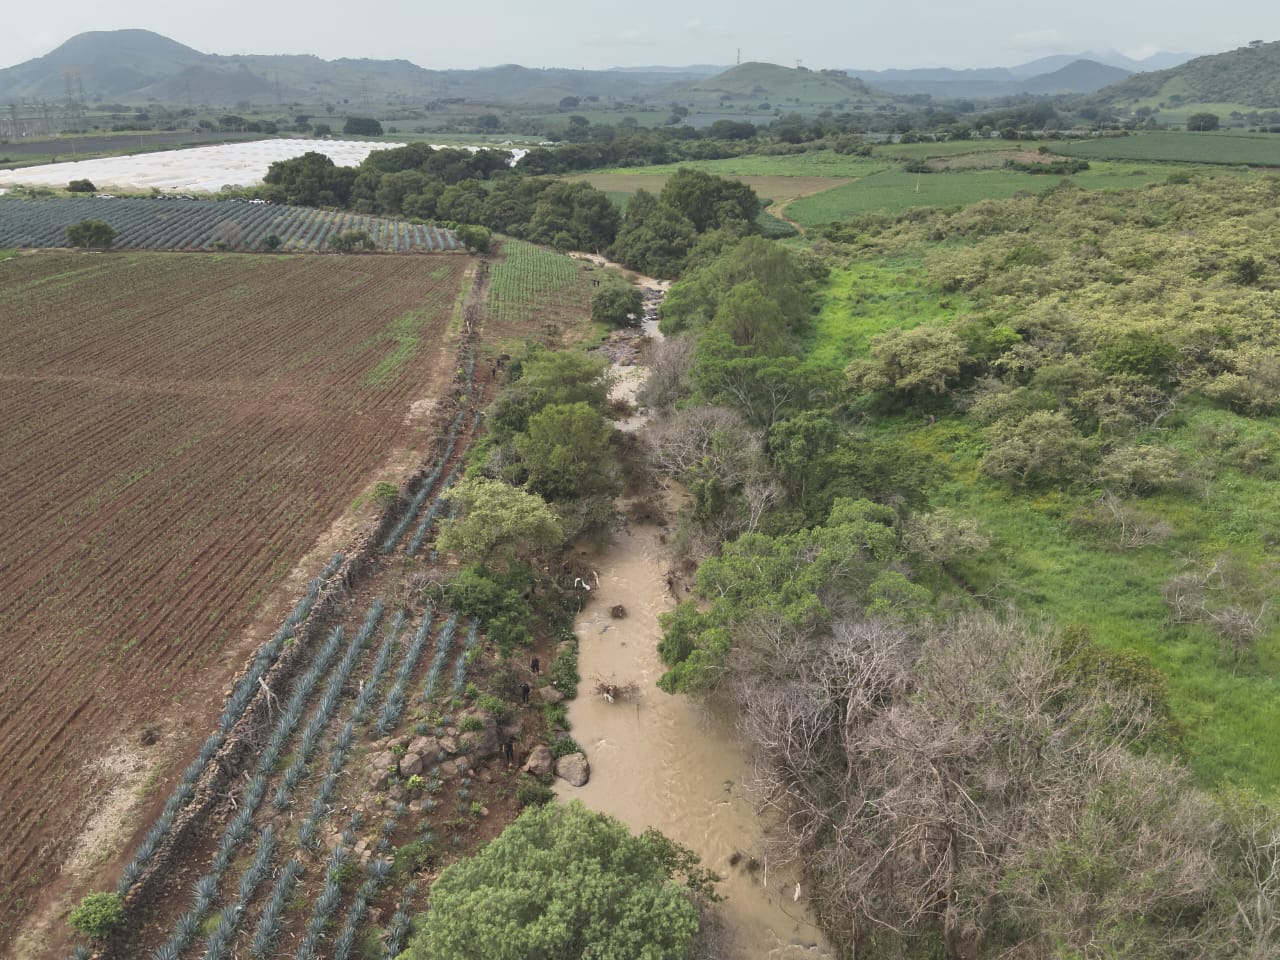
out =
column 481, row 743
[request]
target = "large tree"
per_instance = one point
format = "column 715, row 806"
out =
column 709, row 201
column 497, row 522
column 564, row 883
column 91, row 233
column 565, row 452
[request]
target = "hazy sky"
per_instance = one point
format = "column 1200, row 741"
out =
column 540, row 33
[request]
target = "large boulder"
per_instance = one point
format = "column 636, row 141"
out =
column 549, row 694
column 574, row 768
column 411, row 763
column 449, row 745
column 539, row 763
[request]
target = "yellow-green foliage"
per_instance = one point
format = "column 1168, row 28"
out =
column 1113, row 425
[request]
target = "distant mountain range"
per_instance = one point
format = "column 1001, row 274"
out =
column 139, row 66
column 136, row 66
column 1083, row 73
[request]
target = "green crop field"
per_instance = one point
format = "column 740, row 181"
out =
column 951, row 148
column 560, row 121
column 816, row 163
column 533, row 285
column 1257, row 149
column 893, row 191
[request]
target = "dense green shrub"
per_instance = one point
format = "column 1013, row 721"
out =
column 98, row 914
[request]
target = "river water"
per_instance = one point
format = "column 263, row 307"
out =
column 663, row 761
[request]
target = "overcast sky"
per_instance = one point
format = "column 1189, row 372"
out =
column 544, row 33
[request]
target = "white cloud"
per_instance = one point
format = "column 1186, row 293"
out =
column 1142, row 51
column 1041, row 41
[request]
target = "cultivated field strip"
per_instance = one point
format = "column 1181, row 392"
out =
column 350, row 691
column 159, row 470
column 534, row 285
column 171, row 224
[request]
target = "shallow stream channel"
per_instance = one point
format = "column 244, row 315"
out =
column 664, row 761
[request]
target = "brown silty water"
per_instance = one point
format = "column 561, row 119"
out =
column 663, row 761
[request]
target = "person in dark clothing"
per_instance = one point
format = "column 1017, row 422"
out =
column 535, row 667
column 509, row 751
column 524, row 692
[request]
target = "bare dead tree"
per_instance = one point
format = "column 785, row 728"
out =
column 956, row 783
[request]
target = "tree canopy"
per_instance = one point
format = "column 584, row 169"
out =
column 91, row 233
column 564, row 883
column 497, row 522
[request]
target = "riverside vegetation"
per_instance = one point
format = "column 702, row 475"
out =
column 988, row 580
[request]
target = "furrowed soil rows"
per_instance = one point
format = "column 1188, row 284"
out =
column 174, row 432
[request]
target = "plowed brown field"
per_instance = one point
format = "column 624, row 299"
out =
column 175, row 431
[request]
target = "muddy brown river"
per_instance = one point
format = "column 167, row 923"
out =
column 662, row 761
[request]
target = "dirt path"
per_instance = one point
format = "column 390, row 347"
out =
column 780, row 211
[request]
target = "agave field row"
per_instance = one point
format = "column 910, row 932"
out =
column 175, row 432
column 169, row 224
column 284, row 833
column 285, row 836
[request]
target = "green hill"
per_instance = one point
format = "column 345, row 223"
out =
column 105, row 61
column 767, row 82
column 1248, row 77
column 1079, row 76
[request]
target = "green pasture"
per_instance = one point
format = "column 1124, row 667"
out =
column 867, row 298
column 1230, row 715
column 1256, row 149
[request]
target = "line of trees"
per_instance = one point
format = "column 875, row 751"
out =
column 657, row 236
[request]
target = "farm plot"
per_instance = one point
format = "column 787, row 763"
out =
column 893, row 191
column 174, row 433
column 1258, row 149
column 171, row 224
column 367, row 772
column 533, row 287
